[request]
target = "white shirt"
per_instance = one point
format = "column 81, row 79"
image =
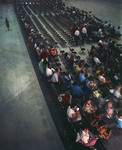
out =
column 54, row 78
column 48, row 72
column 70, row 112
column 117, row 94
column 97, row 61
column 77, row 32
column 101, row 77
column 84, row 137
column 84, row 30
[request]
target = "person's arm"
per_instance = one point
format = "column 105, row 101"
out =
column 60, row 97
column 93, row 122
column 108, row 135
column 70, row 100
column 116, row 121
column 74, row 115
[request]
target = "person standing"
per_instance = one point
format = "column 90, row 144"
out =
column 7, row 23
column 77, row 36
column 84, row 34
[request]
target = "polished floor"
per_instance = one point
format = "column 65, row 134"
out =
column 25, row 120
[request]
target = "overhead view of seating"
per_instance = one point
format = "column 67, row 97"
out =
column 76, row 57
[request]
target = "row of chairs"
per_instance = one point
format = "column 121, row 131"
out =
column 58, row 27
column 61, row 39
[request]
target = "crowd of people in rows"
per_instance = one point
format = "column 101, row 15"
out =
column 84, row 25
column 82, row 96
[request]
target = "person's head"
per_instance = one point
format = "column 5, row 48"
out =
column 83, row 72
column 67, row 93
column 102, row 68
column 110, row 104
column 58, row 71
column 88, row 101
column 49, row 65
column 109, row 25
column 101, row 123
column 67, row 74
column 80, row 64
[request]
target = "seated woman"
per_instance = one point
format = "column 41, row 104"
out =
column 86, row 137
column 103, row 132
column 88, row 107
column 65, row 99
column 118, row 119
column 73, row 113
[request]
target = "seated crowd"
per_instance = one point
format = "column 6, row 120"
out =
column 80, row 95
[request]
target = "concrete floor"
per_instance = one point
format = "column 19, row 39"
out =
column 25, row 120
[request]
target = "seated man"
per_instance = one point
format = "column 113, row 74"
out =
column 82, row 77
column 103, row 132
column 49, row 70
column 86, row 137
column 76, row 90
column 65, row 99
column 118, row 119
column 55, row 80
column 102, row 79
column 73, row 113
